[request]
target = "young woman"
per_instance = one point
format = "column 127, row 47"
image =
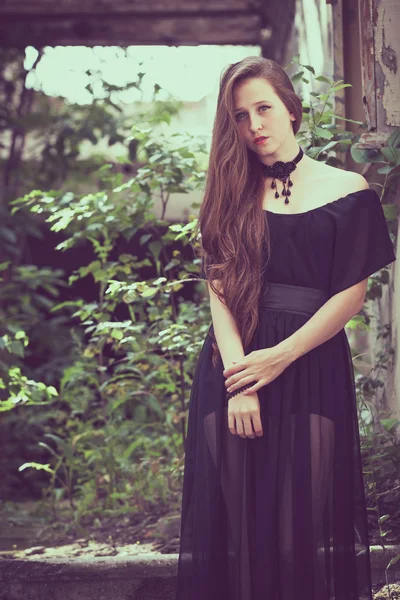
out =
column 273, row 504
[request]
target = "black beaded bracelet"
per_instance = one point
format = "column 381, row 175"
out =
column 245, row 387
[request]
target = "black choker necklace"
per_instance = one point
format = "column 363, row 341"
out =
column 281, row 170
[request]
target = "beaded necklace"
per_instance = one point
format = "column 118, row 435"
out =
column 281, row 170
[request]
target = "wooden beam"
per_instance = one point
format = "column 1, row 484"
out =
column 368, row 62
column 127, row 30
column 339, row 69
column 111, row 7
column 386, row 21
column 265, row 23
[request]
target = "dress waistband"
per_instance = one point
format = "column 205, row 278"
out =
column 292, row 298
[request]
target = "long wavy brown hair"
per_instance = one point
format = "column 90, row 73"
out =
column 234, row 231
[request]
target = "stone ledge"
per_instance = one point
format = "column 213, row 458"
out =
column 147, row 576
column 143, row 565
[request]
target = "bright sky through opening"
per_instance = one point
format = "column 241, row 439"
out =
column 187, row 72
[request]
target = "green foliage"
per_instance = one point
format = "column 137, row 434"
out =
column 324, row 140
column 381, row 461
column 128, row 381
column 65, row 135
column 389, row 155
column 319, row 132
column 20, row 389
column 112, row 439
column 87, row 360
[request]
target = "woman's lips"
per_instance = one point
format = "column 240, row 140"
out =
column 262, row 141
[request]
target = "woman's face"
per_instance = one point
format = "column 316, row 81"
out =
column 259, row 112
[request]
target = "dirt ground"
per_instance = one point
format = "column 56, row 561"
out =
column 23, row 527
column 25, row 530
column 28, row 534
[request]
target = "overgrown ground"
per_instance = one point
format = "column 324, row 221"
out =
column 27, row 535
column 31, row 524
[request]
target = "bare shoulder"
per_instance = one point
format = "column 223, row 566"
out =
column 342, row 182
column 352, row 181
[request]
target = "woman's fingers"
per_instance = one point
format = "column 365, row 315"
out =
column 241, row 427
column 243, row 381
column 231, row 422
column 254, row 388
column 244, row 427
column 245, row 422
column 257, row 425
column 248, row 427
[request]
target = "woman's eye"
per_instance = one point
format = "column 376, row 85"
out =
column 239, row 116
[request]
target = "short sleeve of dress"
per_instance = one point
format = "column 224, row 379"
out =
column 362, row 244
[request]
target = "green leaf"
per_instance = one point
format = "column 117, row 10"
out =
column 37, row 466
column 149, row 293
column 324, row 79
column 17, row 348
column 51, row 391
column 392, row 154
column 309, row 68
column 394, row 139
column 117, row 334
column 383, row 519
column 393, row 561
column 62, row 444
column 49, row 449
column 297, row 76
column 340, row 87
column 391, row 211
column 385, row 170
column 365, row 155
column 132, row 447
column 390, row 424
column 348, row 120
column 153, row 403
column 323, row 133
column 155, row 248
column 6, row 405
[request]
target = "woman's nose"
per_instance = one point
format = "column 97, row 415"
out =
column 255, row 123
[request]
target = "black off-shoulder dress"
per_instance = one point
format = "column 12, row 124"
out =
column 283, row 516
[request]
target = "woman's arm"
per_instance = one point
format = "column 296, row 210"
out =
column 225, row 328
column 327, row 321
column 264, row 365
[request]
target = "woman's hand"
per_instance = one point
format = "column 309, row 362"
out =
column 260, row 367
column 244, row 415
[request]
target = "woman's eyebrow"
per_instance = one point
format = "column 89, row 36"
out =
column 255, row 103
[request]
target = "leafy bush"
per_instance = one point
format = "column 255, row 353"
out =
column 113, row 438
column 124, row 398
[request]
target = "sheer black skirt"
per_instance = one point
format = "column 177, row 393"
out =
column 280, row 516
